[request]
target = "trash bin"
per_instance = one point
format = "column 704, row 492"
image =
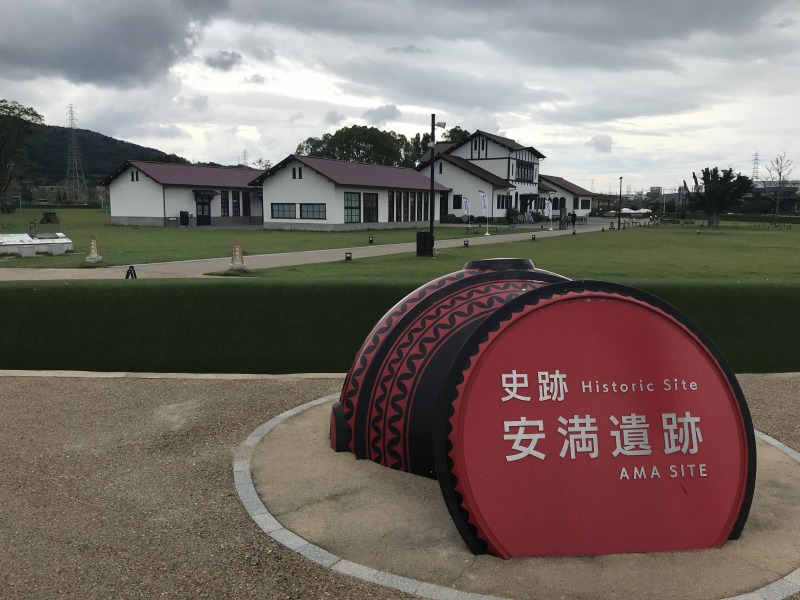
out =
column 424, row 243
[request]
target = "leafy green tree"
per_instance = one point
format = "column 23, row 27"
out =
column 720, row 191
column 17, row 123
column 371, row 145
column 456, row 134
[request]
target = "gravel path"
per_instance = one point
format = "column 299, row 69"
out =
column 121, row 486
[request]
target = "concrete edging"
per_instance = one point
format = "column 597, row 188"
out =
column 777, row 590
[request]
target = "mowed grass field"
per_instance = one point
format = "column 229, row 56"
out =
column 735, row 253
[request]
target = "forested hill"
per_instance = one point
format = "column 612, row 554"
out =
column 48, row 151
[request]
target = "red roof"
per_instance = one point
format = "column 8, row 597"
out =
column 190, row 175
column 565, row 185
column 342, row 172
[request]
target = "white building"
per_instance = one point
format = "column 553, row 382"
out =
column 171, row 194
column 312, row 193
column 504, row 170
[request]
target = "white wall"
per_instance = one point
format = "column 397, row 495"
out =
column 313, row 188
column 140, row 198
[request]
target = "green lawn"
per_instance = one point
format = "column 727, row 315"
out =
column 734, row 255
column 120, row 245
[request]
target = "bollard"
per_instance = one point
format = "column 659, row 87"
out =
column 348, row 256
column 466, row 243
column 131, row 273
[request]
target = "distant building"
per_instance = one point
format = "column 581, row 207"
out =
column 313, row 193
column 566, row 196
column 171, row 194
column 505, row 171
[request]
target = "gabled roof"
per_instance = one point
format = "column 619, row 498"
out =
column 565, row 185
column 189, row 175
column 476, row 171
column 440, row 147
column 504, row 142
column 543, row 187
column 342, row 172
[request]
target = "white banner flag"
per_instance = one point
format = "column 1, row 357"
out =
column 465, row 204
column 485, row 204
column 548, row 206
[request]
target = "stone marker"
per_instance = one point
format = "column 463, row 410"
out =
column 237, row 260
column 93, row 257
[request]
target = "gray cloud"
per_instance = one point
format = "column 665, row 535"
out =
column 601, row 143
column 333, row 117
column 224, row 60
column 255, row 78
column 108, row 43
column 409, row 49
column 380, row 115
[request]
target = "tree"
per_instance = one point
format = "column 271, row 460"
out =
column 779, row 170
column 371, row 145
column 456, row 134
column 262, row 164
column 720, row 191
column 17, row 123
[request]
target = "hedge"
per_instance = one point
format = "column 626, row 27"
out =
column 241, row 325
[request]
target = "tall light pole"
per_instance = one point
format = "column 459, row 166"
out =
column 431, row 202
column 619, row 205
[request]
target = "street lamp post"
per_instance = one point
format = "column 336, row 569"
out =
column 431, row 202
column 619, row 205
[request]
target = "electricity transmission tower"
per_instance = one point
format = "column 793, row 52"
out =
column 755, row 167
column 76, row 182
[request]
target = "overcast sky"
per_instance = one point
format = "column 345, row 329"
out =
column 648, row 90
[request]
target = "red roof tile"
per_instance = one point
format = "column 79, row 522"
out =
column 342, row 172
column 190, row 175
column 565, row 185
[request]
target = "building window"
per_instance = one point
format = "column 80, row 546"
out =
column 574, row 203
column 586, row 204
column 440, row 167
column 405, row 206
column 245, row 204
column 483, row 144
column 134, row 175
column 391, row 206
column 299, row 172
column 457, row 204
column 352, row 207
column 294, row 172
column 284, row 211
column 475, row 144
column 237, row 204
column 370, row 207
column 503, row 200
column 224, row 204
column 526, row 171
column 313, row 211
